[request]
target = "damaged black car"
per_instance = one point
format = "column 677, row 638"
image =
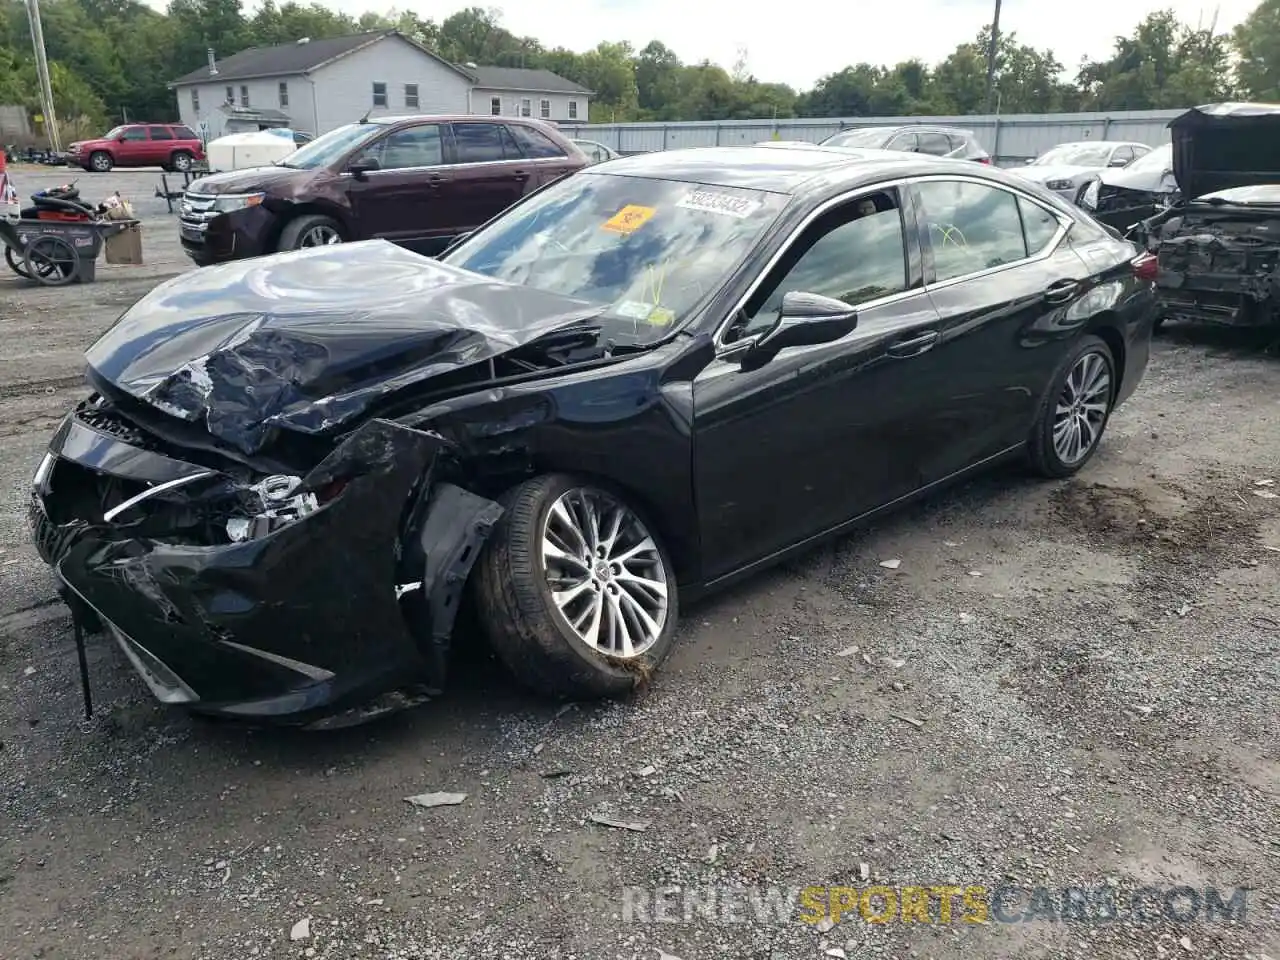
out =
column 1219, row 249
column 638, row 385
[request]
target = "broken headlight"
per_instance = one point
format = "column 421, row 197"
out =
column 1059, row 184
column 1089, row 200
column 278, row 504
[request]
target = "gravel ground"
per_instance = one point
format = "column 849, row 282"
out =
column 1060, row 684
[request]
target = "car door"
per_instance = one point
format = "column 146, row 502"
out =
column 547, row 159
column 1001, row 280
column 489, row 172
column 819, row 434
column 160, row 144
column 134, row 148
column 402, row 200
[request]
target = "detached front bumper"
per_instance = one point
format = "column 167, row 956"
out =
column 314, row 618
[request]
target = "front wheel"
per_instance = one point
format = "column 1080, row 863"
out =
column 1075, row 411
column 575, row 590
column 101, row 162
column 310, row 230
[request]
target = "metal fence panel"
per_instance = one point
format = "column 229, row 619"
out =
column 1009, row 138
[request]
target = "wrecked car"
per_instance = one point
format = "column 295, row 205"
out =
column 1123, row 197
column 1219, row 249
column 638, row 385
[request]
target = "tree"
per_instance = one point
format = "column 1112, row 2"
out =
column 1257, row 44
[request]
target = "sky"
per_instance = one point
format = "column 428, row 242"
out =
column 811, row 39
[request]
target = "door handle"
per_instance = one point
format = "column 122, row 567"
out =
column 520, row 175
column 913, row 346
column 1061, row 291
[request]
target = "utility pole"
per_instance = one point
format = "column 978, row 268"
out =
column 992, row 48
column 42, row 71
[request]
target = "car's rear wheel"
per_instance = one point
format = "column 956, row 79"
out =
column 181, row 161
column 101, row 162
column 1075, row 411
column 310, row 230
column 575, row 591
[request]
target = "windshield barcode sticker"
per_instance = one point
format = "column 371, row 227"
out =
column 722, row 203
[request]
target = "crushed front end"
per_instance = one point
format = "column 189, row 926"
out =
column 1220, row 262
column 238, row 590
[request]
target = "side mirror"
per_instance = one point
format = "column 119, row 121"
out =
column 1119, row 162
column 359, row 168
column 806, row 319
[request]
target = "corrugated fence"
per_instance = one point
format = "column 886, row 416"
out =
column 1008, row 138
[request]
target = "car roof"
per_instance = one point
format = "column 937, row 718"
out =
column 894, row 127
column 454, row 118
column 790, row 168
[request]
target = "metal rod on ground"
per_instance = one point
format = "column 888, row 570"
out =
column 42, row 71
column 992, row 49
column 84, row 668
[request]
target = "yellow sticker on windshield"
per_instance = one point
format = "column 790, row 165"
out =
column 661, row 317
column 629, row 219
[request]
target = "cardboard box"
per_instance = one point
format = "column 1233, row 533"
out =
column 126, row 246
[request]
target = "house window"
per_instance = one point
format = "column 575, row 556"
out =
column 526, row 108
column 244, row 96
column 195, row 99
column 231, row 95
column 544, row 109
column 573, row 109
column 379, row 94
column 411, row 95
column 495, row 106
column 284, row 94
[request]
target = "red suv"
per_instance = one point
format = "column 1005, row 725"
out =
column 168, row 145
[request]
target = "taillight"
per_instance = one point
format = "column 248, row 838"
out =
column 1146, row 266
column 986, row 160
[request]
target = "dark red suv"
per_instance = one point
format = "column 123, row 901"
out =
column 168, row 145
column 418, row 181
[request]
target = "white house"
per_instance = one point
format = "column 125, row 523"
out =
column 316, row 85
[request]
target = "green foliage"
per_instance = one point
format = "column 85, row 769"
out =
column 112, row 57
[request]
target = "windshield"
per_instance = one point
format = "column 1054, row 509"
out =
column 649, row 252
column 1075, row 155
column 334, row 145
column 1157, row 161
column 113, row 133
column 872, row 137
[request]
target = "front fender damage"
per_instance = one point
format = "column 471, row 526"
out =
column 318, row 617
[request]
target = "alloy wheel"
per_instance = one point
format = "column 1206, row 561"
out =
column 101, row 162
column 1082, row 408
column 320, row 235
column 605, row 573
column 182, row 162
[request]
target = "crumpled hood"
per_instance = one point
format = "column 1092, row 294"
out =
column 307, row 341
column 1045, row 174
column 1147, row 180
column 249, row 180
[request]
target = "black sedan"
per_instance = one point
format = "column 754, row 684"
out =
column 639, row 384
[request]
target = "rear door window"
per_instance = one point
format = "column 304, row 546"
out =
column 903, row 141
column 1039, row 226
column 971, row 227
column 934, row 144
column 161, row 133
column 533, row 144
column 483, row 143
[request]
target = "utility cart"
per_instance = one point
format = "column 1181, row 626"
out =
column 55, row 253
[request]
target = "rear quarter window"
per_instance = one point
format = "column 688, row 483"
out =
column 185, row 133
column 533, row 144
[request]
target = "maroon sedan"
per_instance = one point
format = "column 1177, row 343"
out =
column 417, row 181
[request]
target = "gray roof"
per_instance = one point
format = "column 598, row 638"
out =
column 264, row 114
column 518, row 78
column 294, row 58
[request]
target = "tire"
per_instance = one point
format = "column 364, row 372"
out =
column 181, row 161
column 1090, row 354
column 1157, row 324
column 526, row 627
column 307, row 230
column 100, row 162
